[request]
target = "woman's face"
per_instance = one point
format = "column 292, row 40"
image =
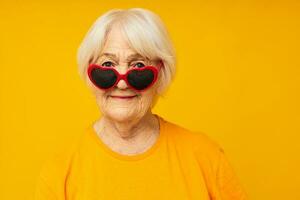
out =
column 118, row 54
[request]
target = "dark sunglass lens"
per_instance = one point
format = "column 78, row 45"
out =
column 103, row 78
column 140, row 79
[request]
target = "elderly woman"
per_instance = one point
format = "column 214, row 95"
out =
column 127, row 61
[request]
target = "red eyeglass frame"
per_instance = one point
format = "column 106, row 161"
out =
column 124, row 76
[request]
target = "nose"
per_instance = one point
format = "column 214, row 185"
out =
column 122, row 83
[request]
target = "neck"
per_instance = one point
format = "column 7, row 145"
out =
column 128, row 135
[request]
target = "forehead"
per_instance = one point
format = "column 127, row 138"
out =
column 117, row 47
column 116, row 41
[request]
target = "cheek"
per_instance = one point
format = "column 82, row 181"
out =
column 145, row 101
column 101, row 97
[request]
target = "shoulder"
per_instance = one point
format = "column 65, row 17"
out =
column 212, row 160
column 197, row 141
column 206, row 151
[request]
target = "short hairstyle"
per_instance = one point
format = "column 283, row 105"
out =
column 146, row 34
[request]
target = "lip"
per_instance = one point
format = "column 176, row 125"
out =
column 123, row 97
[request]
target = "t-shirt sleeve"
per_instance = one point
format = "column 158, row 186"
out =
column 228, row 184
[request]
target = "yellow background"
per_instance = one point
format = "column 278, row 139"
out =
column 237, row 80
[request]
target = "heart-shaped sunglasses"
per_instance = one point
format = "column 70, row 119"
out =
column 139, row 79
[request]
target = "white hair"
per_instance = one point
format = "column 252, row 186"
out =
column 146, row 34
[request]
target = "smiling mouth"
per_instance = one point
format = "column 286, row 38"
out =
column 123, row 97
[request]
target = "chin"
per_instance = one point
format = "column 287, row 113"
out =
column 121, row 115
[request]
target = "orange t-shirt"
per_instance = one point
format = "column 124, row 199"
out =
column 181, row 165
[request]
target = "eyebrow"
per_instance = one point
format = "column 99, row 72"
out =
column 129, row 58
